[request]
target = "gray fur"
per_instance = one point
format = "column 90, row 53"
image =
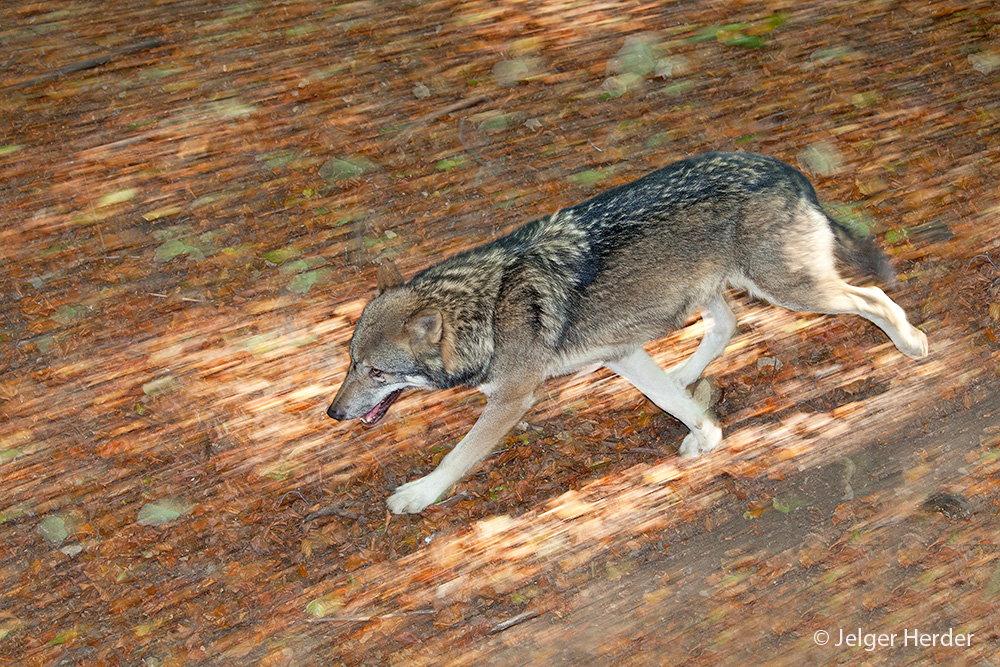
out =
column 591, row 283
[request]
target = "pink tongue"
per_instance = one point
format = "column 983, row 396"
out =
column 371, row 413
column 376, row 413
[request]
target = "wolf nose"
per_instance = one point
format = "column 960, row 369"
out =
column 333, row 412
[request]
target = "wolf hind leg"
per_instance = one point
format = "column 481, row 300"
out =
column 873, row 304
column 712, row 344
column 833, row 296
column 669, row 395
column 805, row 279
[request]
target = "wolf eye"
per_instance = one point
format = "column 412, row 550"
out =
column 375, row 373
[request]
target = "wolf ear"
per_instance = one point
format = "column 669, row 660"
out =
column 428, row 335
column 388, row 277
column 425, row 328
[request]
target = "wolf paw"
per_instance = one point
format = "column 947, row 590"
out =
column 701, row 442
column 917, row 347
column 414, row 496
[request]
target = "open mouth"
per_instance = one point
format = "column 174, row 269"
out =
column 376, row 413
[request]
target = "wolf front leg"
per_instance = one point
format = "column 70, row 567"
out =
column 667, row 392
column 503, row 410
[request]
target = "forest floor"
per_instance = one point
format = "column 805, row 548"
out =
column 196, row 195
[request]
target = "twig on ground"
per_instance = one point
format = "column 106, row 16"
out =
column 89, row 63
column 290, row 493
column 511, row 622
column 365, row 619
column 429, row 117
column 452, row 500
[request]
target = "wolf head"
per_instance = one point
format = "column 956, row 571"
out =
column 396, row 345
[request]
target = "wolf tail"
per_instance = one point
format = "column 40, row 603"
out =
column 859, row 250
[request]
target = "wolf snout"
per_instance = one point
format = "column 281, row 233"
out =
column 334, row 412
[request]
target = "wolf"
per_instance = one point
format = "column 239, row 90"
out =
column 590, row 284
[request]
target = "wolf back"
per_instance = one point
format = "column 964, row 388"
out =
column 572, row 269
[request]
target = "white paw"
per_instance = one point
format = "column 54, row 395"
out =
column 414, row 496
column 696, row 443
column 917, row 345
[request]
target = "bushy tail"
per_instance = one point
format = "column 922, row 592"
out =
column 860, row 251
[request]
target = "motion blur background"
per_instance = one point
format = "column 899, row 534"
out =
column 196, row 194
